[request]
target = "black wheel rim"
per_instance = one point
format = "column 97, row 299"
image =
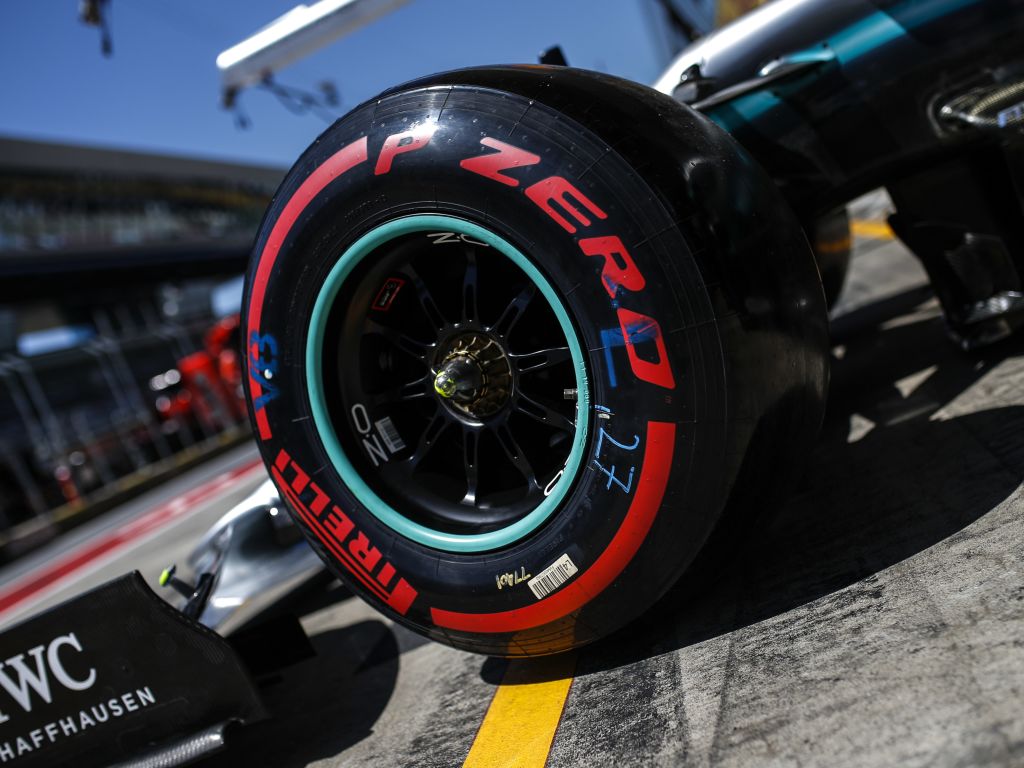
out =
column 450, row 382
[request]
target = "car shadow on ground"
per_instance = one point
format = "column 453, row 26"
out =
column 337, row 697
column 896, row 470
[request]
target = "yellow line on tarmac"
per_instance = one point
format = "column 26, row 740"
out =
column 877, row 230
column 833, row 246
column 520, row 724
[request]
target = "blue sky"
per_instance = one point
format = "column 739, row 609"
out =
column 160, row 91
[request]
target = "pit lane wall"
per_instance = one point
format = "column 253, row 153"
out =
column 120, row 284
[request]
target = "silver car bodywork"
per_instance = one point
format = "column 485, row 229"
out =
column 257, row 556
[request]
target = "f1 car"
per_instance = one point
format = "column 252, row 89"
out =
column 523, row 342
column 523, row 339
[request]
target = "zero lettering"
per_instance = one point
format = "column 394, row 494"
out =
column 400, row 143
column 570, row 208
column 619, row 270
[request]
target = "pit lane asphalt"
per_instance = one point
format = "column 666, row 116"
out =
column 876, row 619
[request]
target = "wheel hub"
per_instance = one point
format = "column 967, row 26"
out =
column 475, row 378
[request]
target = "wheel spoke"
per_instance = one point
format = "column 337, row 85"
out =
column 515, row 455
column 413, row 390
column 539, row 412
column 412, row 347
column 434, row 316
column 510, row 316
column 429, row 437
column 470, row 462
column 469, row 289
column 459, row 311
column 530, row 362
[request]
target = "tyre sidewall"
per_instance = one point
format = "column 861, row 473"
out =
column 431, row 180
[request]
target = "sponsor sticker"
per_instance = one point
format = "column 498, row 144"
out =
column 552, row 577
column 387, row 293
column 388, row 433
column 78, row 691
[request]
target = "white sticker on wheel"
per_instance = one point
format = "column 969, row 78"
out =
column 552, row 577
column 388, row 433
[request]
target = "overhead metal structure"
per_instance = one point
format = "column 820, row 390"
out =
column 295, row 35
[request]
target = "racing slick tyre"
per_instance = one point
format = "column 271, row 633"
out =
column 832, row 243
column 518, row 338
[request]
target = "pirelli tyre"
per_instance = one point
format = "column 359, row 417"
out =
column 518, row 339
column 832, row 242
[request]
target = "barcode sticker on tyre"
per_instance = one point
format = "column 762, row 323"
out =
column 552, row 577
column 389, row 434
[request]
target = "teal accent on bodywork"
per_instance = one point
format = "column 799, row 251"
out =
column 318, row 403
column 887, row 26
column 745, row 109
column 846, row 46
column 866, row 35
column 916, row 13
